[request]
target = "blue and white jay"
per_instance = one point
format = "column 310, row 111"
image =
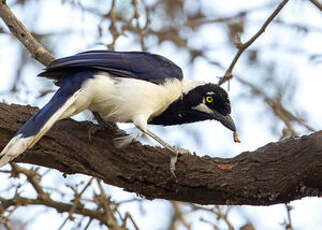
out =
column 137, row 87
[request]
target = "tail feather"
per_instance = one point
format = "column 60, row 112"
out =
column 62, row 105
column 14, row 148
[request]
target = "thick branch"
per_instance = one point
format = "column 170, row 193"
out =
column 22, row 34
column 276, row 173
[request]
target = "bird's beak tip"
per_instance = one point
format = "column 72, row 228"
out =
column 228, row 122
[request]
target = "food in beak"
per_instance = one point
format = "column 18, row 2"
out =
column 236, row 138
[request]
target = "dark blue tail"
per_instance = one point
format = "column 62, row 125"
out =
column 67, row 88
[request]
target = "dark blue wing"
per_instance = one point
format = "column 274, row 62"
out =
column 140, row 65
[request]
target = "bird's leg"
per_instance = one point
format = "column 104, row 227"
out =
column 102, row 125
column 102, row 122
column 174, row 151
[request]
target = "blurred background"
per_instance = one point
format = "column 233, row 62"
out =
column 275, row 93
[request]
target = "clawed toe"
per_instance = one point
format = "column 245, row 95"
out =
column 173, row 160
column 174, row 157
column 92, row 132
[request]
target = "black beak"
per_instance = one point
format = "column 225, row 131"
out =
column 226, row 121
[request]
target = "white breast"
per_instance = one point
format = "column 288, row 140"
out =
column 125, row 99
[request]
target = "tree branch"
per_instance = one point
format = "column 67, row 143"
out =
column 243, row 46
column 317, row 4
column 18, row 200
column 275, row 173
column 24, row 36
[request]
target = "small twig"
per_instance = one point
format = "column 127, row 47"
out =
column 59, row 206
column 112, row 27
column 33, row 178
column 317, row 4
column 22, row 34
column 77, row 199
column 88, row 224
column 109, row 217
column 288, row 224
column 63, row 224
column 217, row 211
column 179, row 215
column 129, row 201
column 103, row 197
column 138, row 28
column 129, row 216
column 6, row 219
column 223, row 216
column 243, row 46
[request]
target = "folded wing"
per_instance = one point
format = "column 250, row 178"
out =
column 140, row 65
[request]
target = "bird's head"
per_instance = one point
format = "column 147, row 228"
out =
column 209, row 101
column 200, row 101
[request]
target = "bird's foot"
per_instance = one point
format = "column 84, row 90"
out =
column 173, row 160
column 102, row 122
column 102, row 126
column 110, row 125
column 92, row 132
column 174, row 157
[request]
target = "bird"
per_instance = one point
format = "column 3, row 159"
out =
column 124, row 86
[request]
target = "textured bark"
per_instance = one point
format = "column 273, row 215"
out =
column 275, row 173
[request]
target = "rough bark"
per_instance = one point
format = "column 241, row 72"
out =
column 275, row 173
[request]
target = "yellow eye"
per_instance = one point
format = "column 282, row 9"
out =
column 209, row 99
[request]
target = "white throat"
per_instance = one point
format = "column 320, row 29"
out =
column 190, row 84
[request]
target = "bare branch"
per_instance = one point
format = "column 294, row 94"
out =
column 17, row 200
column 33, row 178
column 9, row 205
column 77, row 200
column 108, row 213
column 265, row 176
column 178, row 217
column 242, row 47
column 288, row 223
column 317, row 4
column 22, row 34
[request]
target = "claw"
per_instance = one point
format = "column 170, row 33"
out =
column 102, row 125
column 92, row 131
column 173, row 160
column 174, row 152
column 102, row 122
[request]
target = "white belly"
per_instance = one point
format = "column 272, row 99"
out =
column 126, row 99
